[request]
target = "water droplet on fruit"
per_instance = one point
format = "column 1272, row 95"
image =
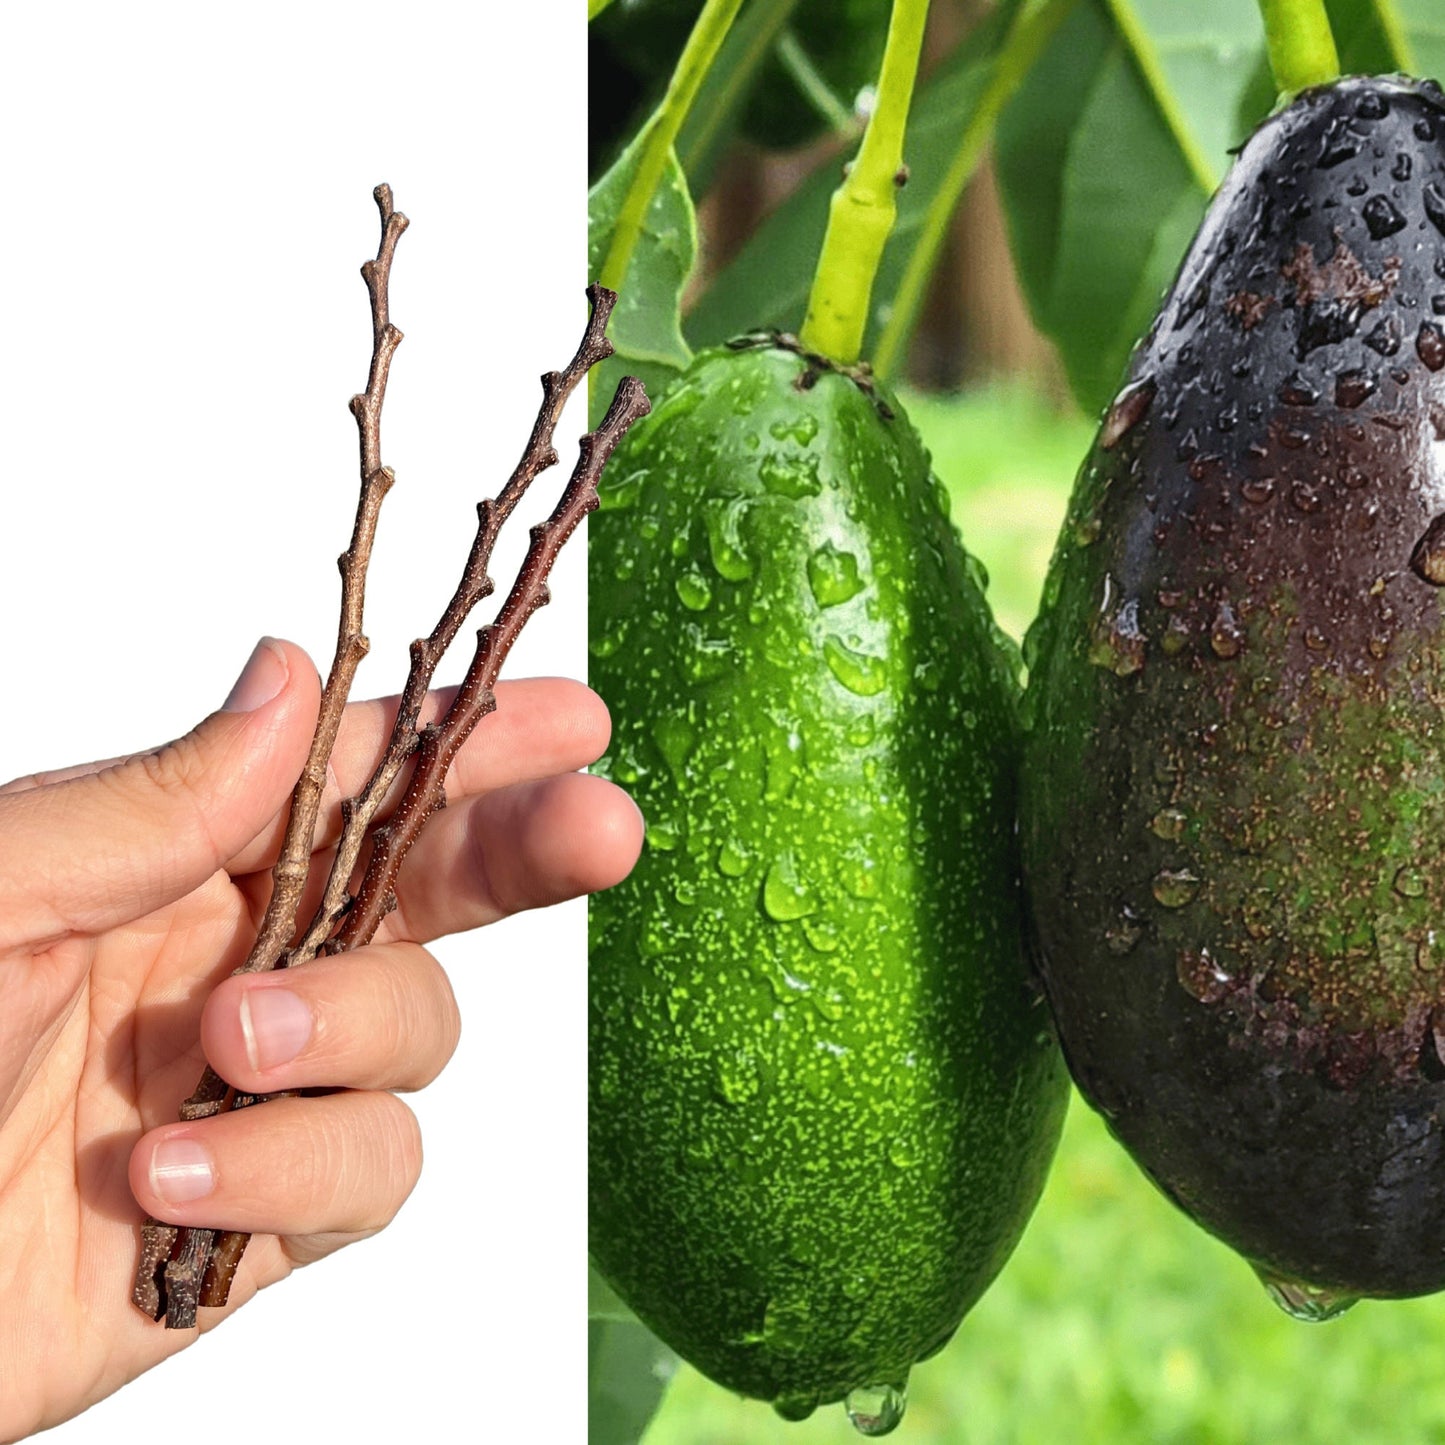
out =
column 875, row 1410
column 1174, row 887
column 738, row 1079
column 795, row 1405
column 693, row 590
column 785, row 894
column 1118, row 642
column 1124, row 932
column 1296, row 391
column 675, row 736
column 787, row 1323
column 1402, row 168
column 1315, row 640
column 1168, row 824
column 733, row 859
column 822, row 935
column 1307, row 1302
column 1384, row 337
column 1226, row 636
column 859, row 672
column 1382, row 217
column 1304, row 497
column 1341, row 143
column 1353, row 387
column 1126, row 411
column 1430, row 345
column 1257, row 490
column 833, row 576
column 723, row 518
column 1435, row 206
column 617, row 494
column 1202, row 976
column 1372, row 106
column 902, row 1153
column 1427, row 561
column 788, row 475
column 1409, row 882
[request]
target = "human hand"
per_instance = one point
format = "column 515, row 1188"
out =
column 128, row 893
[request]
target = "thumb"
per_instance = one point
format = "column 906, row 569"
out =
column 98, row 850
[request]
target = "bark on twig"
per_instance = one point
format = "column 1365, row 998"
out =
column 183, row 1268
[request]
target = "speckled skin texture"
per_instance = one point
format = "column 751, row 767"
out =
column 1234, row 798
column 824, row 1094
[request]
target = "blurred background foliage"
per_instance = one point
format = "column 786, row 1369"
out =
column 1117, row 1320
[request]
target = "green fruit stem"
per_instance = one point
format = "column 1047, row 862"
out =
column 703, row 44
column 1031, row 31
column 864, row 207
column 1301, row 43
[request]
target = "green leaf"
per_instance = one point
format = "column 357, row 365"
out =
column 646, row 327
column 628, row 1372
column 1107, row 156
column 767, row 284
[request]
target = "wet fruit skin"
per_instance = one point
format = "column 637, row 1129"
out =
column 824, row 1093
column 1234, row 798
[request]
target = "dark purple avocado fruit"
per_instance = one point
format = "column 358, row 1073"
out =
column 1234, row 773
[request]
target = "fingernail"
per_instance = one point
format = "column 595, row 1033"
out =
column 181, row 1171
column 263, row 676
column 275, row 1024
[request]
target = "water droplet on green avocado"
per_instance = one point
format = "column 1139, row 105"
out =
column 693, row 590
column 785, row 894
column 801, row 429
column 875, row 1410
column 1311, row 1303
column 861, row 874
column 1174, row 887
column 860, row 673
column 662, row 836
column 733, row 859
column 675, row 737
column 738, row 1079
column 795, row 1405
column 822, row 934
column 833, row 576
column 617, row 492
column 791, row 476
column 787, row 1323
column 723, row 518
column 861, row 730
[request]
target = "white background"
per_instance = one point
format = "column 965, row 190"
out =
column 187, row 198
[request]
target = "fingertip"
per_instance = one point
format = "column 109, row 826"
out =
column 618, row 829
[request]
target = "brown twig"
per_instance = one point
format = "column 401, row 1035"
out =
column 183, row 1268
column 476, row 584
column 440, row 743
column 174, row 1286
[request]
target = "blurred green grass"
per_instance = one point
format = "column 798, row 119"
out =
column 1117, row 1321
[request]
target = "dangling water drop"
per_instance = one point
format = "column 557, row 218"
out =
column 795, row 1406
column 875, row 1410
column 1427, row 561
column 1307, row 1302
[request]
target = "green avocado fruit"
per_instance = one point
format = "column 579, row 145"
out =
column 824, row 1091
column 1234, row 775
